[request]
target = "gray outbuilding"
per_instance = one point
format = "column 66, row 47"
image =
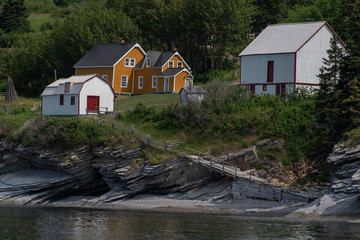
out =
column 192, row 95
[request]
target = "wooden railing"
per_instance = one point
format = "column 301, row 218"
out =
column 7, row 109
column 2, row 94
column 247, row 185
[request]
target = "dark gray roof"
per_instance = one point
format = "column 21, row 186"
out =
column 164, row 57
column 104, row 55
column 158, row 59
column 193, row 90
column 170, row 72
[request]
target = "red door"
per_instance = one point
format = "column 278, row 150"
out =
column 93, row 103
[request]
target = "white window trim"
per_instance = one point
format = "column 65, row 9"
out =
column 142, row 82
column 172, row 64
column 154, row 82
column 148, row 62
column 179, row 64
column 128, row 62
column 122, row 81
column 168, row 83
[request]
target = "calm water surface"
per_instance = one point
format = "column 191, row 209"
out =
column 64, row 223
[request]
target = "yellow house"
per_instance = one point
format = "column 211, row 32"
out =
column 132, row 71
column 114, row 62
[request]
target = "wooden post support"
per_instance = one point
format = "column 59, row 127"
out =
column 280, row 197
column 223, row 168
column 148, row 139
column 186, row 152
column 132, row 129
column 235, row 176
column 250, row 173
column 210, row 164
column 166, row 145
column 199, row 158
column 112, row 125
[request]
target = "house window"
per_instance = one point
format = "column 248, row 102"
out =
column 72, row 100
column 264, row 88
column 61, row 99
column 124, row 81
column 270, row 71
column 104, row 77
column 179, row 64
column 171, row 64
column 154, row 82
column 148, row 62
column 141, row 82
column 129, row 62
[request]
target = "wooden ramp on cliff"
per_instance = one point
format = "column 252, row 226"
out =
column 244, row 184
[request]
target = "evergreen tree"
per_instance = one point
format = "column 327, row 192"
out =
column 13, row 17
column 352, row 103
column 328, row 101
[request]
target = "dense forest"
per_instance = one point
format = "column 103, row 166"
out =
column 209, row 34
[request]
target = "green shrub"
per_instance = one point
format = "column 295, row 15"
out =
column 64, row 132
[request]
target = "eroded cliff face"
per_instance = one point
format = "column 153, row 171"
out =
column 344, row 165
column 36, row 175
column 344, row 195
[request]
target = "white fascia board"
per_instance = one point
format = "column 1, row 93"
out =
column 177, row 54
column 136, row 45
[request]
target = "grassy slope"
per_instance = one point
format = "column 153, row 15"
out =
column 36, row 20
column 125, row 103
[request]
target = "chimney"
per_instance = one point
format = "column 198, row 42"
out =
column 173, row 48
column 122, row 41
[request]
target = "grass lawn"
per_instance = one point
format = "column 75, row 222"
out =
column 36, row 20
column 125, row 103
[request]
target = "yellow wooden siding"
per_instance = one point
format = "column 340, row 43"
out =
column 147, row 74
column 101, row 71
column 121, row 70
column 175, row 59
column 180, row 81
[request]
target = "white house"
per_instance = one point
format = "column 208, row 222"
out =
column 78, row 95
column 285, row 56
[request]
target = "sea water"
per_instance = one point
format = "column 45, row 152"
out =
column 74, row 223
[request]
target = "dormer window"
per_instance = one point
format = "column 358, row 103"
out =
column 179, row 64
column 130, row 62
column 171, row 64
column 148, row 62
column 68, row 86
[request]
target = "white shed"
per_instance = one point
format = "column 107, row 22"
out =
column 192, row 95
column 285, row 56
column 78, row 95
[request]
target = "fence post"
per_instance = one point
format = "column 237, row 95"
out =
column 148, row 139
column 210, row 164
column 166, row 145
column 132, row 129
column 112, row 125
column 186, row 152
column 198, row 157
column 250, row 173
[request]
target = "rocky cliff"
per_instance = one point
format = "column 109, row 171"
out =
column 344, row 195
column 36, row 175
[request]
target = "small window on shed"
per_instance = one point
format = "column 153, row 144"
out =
column 270, row 71
column 72, row 100
column 252, row 89
column 61, row 99
column 264, row 88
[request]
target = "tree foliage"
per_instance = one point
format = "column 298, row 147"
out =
column 32, row 64
column 13, row 17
